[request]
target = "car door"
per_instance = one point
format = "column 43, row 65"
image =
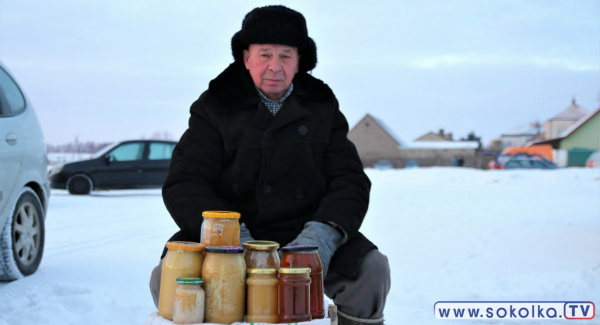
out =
column 12, row 145
column 122, row 166
column 156, row 167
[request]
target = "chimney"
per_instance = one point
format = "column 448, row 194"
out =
column 450, row 136
column 441, row 133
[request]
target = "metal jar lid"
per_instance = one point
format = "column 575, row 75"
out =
column 294, row 270
column 261, row 245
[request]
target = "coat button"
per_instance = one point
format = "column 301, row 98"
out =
column 302, row 129
column 269, row 135
column 266, row 188
column 299, row 194
column 297, row 225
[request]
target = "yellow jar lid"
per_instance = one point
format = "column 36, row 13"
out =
column 294, row 270
column 260, row 245
column 221, row 214
column 186, row 246
column 262, row 271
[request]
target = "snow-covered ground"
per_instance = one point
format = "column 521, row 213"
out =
column 449, row 233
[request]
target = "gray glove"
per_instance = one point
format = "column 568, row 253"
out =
column 323, row 235
column 244, row 234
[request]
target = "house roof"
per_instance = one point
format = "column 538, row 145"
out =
column 387, row 129
column 521, row 130
column 573, row 112
column 442, row 145
column 572, row 129
column 436, row 135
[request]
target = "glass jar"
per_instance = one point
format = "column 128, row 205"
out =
column 261, row 254
column 262, row 296
column 308, row 256
column 183, row 259
column 188, row 307
column 220, row 228
column 224, row 274
column 294, row 294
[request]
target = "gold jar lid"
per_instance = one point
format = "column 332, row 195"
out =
column 262, row 271
column 261, row 245
column 186, row 246
column 294, row 270
column 221, row 214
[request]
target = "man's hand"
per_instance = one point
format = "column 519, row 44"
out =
column 244, row 234
column 323, row 235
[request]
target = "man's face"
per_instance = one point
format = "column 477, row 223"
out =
column 272, row 67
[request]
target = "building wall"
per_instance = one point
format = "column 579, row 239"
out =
column 443, row 157
column 586, row 136
column 515, row 140
column 373, row 143
column 554, row 128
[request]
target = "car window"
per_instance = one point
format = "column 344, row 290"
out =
column 161, row 151
column 127, row 152
column 513, row 164
column 12, row 101
column 538, row 164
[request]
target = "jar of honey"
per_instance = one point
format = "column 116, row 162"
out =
column 188, row 307
column 261, row 254
column 220, row 228
column 307, row 256
column 224, row 274
column 294, row 295
column 262, row 296
column 183, row 259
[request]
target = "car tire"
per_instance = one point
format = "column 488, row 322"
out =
column 80, row 184
column 22, row 238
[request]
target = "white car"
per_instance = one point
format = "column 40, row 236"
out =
column 24, row 186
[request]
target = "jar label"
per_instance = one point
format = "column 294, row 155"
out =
column 218, row 229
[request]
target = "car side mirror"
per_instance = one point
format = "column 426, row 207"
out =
column 107, row 159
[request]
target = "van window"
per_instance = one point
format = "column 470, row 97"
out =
column 160, row 151
column 128, row 152
column 12, row 101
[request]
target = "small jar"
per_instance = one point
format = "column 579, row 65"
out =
column 220, row 228
column 262, row 296
column 188, row 307
column 183, row 259
column 261, row 254
column 224, row 274
column 308, row 256
column 294, row 295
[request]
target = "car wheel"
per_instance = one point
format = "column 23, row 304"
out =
column 80, row 184
column 22, row 239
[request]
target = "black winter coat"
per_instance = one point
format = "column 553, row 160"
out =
column 278, row 171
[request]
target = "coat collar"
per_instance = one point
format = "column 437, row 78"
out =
column 234, row 90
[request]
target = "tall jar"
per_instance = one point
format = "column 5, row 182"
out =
column 183, row 259
column 308, row 256
column 262, row 296
column 188, row 307
column 220, row 228
column 261, row 254
column 224, row 274
column 294, row 294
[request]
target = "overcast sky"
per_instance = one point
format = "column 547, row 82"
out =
column 109, row 70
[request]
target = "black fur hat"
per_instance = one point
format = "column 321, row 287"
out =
column 276, row 25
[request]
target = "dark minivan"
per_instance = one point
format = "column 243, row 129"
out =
column 124, row 165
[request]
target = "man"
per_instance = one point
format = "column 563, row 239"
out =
column 268, row 140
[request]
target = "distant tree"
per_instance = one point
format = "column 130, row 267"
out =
column 472, row 137
column 537, row 125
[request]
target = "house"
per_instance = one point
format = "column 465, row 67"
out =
column 516, row 137
column 375, row 141
column 440, row 136
column 562, row 121
column 577, row 142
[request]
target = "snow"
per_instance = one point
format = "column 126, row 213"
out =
column 450, row 234
column 440, row 145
